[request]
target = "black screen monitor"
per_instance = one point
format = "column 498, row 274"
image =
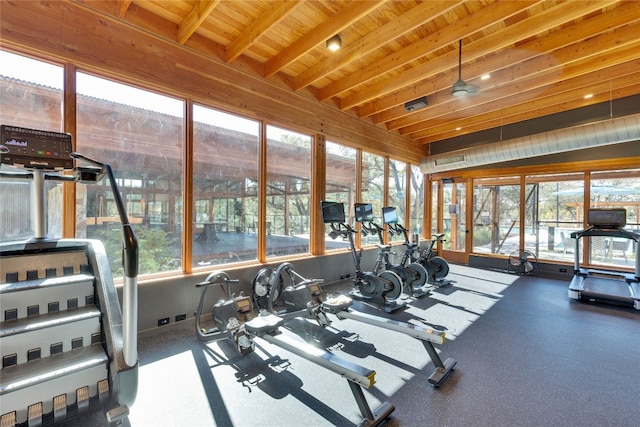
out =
column 332, row 212
column 364, row 212
column 389, row 215
column 607, row 218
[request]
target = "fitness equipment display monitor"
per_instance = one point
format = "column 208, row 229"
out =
column 389, row 215
column 332, row 212
column 364, row 212
column 35, row 149
column 607, row 218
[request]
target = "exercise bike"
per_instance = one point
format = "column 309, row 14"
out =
column 378, row 287
column 235, row 319
column 302, row 297
column 413, row 274
column 436, row 266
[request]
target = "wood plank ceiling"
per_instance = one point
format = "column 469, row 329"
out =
column 540, row 57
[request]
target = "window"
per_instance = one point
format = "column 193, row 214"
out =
column 372, row 176
column 340, row 185
column 225, row 174
column 616, row 189
column 397, row 193
column 30, row 96
column 140, row 134
column 496, row 215
column 288, row 192
column 416, row 213
column 553, row 211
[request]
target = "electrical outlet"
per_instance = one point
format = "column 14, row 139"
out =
column 180, row 317
column 563, row 270
column 164, row 321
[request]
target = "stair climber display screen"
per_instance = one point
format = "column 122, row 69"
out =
column 67, row 346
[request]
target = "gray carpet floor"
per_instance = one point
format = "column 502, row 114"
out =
column 526, row 355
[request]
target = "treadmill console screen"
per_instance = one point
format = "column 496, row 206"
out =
column 607, row 218
column 35, row 149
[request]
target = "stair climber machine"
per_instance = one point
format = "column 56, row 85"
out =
column 381, row 288
column 413, row 274
column 67, row 347
column 612, row 287
column 234, row 318
column 297, row 297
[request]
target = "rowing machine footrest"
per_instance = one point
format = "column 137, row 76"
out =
column 264, row 323
column 336, row 304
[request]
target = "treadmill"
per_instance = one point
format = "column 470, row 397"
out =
column 613, row 287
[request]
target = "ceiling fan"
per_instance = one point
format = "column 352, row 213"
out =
column 461, row 88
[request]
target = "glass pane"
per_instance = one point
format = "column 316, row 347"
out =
column 140, row 134
column 496, row 215
column 434, row 210
column 609, row 190
column 288, row 186
column 341, row 185
column 554, row 209
column 31, row 97
column 454, row 208
column 372, row 189
column 417, row 200
column 225, row 176
column 397, row 193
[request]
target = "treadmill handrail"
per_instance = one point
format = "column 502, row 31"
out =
column 606, row 232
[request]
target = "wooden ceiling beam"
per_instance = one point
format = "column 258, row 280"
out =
column 123, row 6
column 555, row 103
column 532, row 75
column 271, row 16
column 529, row 27
column 466, row 26
column 342, row 19
column 201, row 10
column 393, row 29
column 391, row 107
column 520, row 103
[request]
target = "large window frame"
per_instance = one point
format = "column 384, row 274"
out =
column 190, row 212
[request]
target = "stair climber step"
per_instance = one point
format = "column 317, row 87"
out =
column 25, row 340
column 53, row 385
column 46, row 295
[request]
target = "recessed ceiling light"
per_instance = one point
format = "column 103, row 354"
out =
column 458, row 128
column 334, row 43
column 589, row 95
column 485, row 76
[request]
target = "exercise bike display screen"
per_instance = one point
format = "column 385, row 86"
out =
column 389, row 215
column 332, row 212
column 364, row 212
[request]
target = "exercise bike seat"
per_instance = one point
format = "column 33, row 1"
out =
column 383, row 247
column 264, row 323
column 438, row 235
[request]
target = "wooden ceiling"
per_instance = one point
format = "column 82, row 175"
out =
column 541, row 57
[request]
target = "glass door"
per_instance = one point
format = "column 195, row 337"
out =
column 454, row 215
